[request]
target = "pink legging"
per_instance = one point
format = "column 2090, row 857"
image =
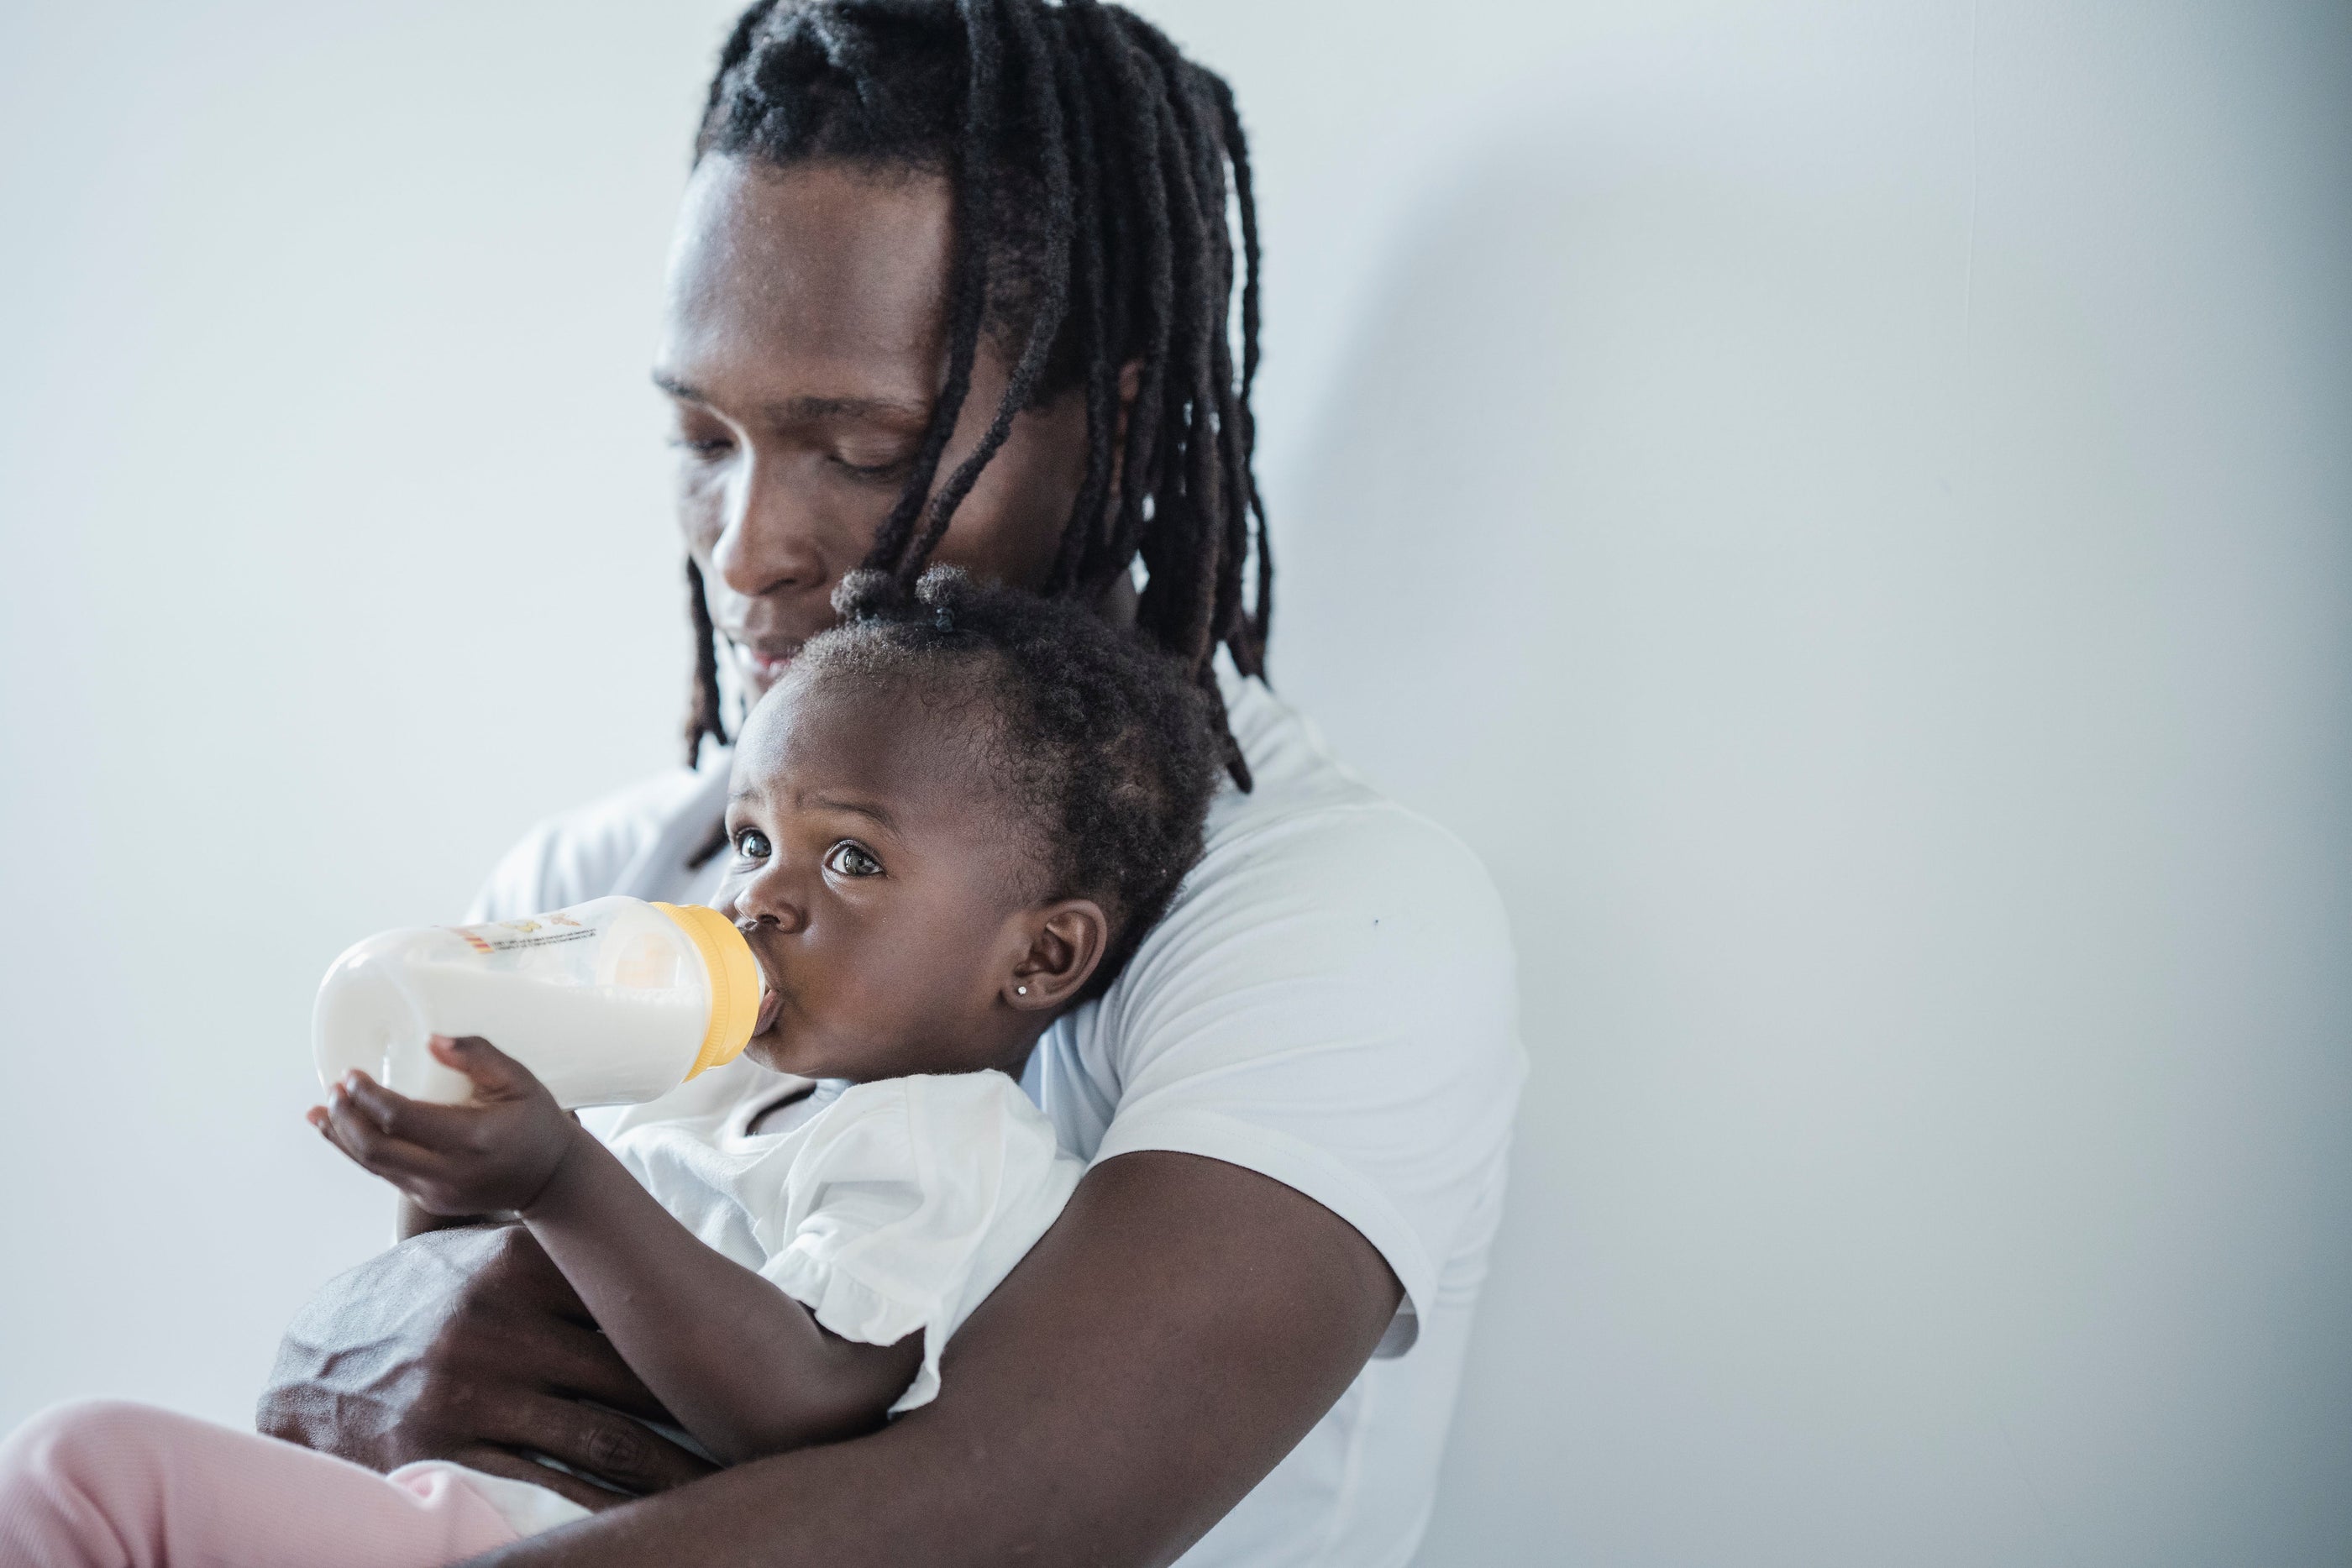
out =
column 104, row 1484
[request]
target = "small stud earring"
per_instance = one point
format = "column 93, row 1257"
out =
column 1020, row 990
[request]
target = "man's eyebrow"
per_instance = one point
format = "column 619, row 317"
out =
column 808, row 410
column 871, row 810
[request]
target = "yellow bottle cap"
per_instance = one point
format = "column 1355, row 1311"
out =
column 734, row 982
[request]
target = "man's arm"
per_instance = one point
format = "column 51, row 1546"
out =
column 1179, row 1329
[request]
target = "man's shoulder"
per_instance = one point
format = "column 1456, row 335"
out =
column 584, row 852
column 1315, row 879
column 1315, row 830
column 1331, row 1001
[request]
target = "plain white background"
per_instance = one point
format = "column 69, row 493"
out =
column 1846, row 506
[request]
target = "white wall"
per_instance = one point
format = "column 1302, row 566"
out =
column 1861, row 526
column 337, row 552
column 1846, row 506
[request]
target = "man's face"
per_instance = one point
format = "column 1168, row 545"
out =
column 804, row 344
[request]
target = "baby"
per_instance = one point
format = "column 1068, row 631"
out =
column 951, row 821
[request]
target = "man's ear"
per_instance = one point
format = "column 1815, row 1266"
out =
column 1066, row 943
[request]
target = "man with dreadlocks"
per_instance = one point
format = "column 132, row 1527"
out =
column 955, row 283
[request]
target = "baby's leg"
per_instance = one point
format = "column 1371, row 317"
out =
column 104, row 1484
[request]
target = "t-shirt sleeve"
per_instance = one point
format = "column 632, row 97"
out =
column 1332, row 1003
column 525, row 881
column 908, row 1202
column 582, row 854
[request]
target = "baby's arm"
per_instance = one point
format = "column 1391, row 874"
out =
column 739, row 1363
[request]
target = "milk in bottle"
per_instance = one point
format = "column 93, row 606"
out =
column 609, row 1002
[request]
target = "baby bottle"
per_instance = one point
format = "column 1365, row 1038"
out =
column 609, row 1002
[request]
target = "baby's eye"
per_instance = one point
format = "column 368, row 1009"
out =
column 752, row 844
column 846, row 859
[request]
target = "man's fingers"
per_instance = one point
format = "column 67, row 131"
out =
column 580, row 1363
column 602, row 1443
column 500, row 1462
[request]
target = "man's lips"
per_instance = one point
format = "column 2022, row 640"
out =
column 764, row 658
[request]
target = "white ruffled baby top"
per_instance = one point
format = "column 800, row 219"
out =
column 886, row 1208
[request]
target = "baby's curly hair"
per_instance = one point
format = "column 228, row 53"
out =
column 1104, row 744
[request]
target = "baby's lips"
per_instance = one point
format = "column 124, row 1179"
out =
column 771, row 1001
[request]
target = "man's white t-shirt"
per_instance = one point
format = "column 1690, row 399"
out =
column 1329, row 1001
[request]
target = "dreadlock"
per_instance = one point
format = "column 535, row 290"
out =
column 1089, row 164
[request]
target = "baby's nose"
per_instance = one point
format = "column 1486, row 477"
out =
column 752, row 915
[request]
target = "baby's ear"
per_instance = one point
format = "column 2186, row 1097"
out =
column 1066, row 942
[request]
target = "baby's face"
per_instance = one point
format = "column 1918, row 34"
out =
column 878, row 890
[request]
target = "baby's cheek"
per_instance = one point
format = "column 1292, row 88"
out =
column 876, row 1022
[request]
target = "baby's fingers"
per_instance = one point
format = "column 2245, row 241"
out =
column 359, row 1135
column 413, row 1121
column 496, row 1075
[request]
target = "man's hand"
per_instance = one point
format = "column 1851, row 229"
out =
column 468, row 1346
column 494, row 1156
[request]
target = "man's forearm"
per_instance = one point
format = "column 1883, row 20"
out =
column 1179, row 1329
column 897, row 1497
column 739, row 1363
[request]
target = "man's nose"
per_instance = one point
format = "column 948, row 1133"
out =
column 770, row 540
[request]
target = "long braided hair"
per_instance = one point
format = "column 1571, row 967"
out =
column 1090, row 162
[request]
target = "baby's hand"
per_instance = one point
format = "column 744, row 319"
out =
column 493, row 1155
